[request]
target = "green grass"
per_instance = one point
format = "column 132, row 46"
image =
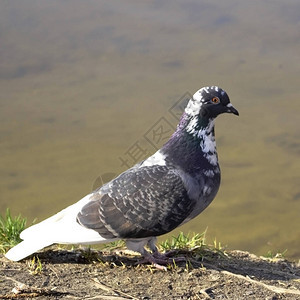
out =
column 10, row 229
column 275, row 256
column 194, row 245
column 184, row 242
column 34, row 265
column 120, row 244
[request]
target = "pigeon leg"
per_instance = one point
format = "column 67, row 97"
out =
column 138, row 246
column 157, row 259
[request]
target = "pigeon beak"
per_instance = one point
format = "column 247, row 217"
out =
column 231, row 109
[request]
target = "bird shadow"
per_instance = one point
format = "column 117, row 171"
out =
column 235, row 262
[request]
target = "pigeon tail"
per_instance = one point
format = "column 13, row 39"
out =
column 26, row 248
column 61, row 228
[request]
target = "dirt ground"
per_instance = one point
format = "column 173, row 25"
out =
column 62, row 274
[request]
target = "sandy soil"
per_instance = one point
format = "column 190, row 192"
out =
column 76, row 274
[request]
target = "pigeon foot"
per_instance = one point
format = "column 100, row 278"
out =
column 159, row 260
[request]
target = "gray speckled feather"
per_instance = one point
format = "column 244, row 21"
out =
column 142, row 202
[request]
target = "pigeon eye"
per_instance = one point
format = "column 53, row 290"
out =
column 215, row 100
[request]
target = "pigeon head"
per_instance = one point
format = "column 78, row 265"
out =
column 205, row 105
column 195, row 134
column 209, row 102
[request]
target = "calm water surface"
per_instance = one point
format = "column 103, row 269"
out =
column 89, row 87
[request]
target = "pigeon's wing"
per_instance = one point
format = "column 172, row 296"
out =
column 142, row 202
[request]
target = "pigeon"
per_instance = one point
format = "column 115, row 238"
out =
column 152, row 198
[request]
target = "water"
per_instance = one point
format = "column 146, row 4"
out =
column 83, row 83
